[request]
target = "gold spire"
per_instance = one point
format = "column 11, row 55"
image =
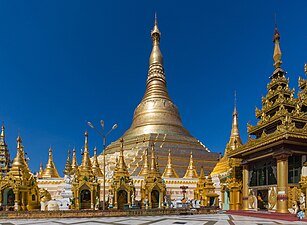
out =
column 234, row 142
column 277, row 52
column 156, row 55
column 50, row 171
column 191, row 171
column 40, row 173
column 169, row 170
column 4, row 153
column 68, row 167
column 86, row 165
column 145, row 168
column 2, row 136
column 74, row 164
column 121, row 161
column 95, row 167
column 156, row 113
column 18, row 162
column 154, row 168
column 235, row 139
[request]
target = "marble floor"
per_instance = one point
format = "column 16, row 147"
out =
column 204, row 219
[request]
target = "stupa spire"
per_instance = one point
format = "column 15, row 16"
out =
column 50, row 171
column 95, row 167
column 235, row 139
column 18, row 162
column 74, row 163
column 145, row 168
column 191, row 171
column 41, row 169
column 156, row 113
column 2, row 136
column 154, row 168
column 121, row 160
column 121, row 168
column 4, row 153
column 68, row 167
column 277, row 52
column 169, row 170
column 86, row 164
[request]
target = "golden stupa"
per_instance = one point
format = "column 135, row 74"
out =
column 156, row 120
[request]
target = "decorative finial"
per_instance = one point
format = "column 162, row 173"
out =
column 305, row 68
column 156, row 55
column 19, row 141
column 95, row 167
column 2, row 137
column 277, row 52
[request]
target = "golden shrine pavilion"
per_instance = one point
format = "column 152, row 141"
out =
column 274, row 154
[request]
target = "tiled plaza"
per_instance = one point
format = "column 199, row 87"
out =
column 205, row 219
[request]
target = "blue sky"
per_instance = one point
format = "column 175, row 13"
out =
column 65, row 62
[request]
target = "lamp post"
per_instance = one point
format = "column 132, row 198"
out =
column 104, row 137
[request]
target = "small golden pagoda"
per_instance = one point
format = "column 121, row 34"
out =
column 205, row 191
column 145, row 168
column 68, row 168
column 41, row 170
column 169, row 171
column 224, row 166
column 50, row 171
column 4, row 153
column 85, row 188
column 191, row 171
column 210, row 197
column 18, row 189
column 74, row 163
column 95, row 166
column 199, row 190
column 122, row 188
column 153, row 188
column 229, row 170
column 272, row 158
column 157, row 119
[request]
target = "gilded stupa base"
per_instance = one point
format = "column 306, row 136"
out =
column 181, row 147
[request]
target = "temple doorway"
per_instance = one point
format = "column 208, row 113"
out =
column 262, row 199
column 122, row 199
column 8, row 197
column 85, row 199
column 155, row 199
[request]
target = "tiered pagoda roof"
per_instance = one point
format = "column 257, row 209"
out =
column 282, row 118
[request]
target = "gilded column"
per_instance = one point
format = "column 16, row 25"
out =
column 115, row 199
column 282, row 182
column 92, row 199
column 231, row 202
column 245, row 187
column 17, row 206
column 129, row 199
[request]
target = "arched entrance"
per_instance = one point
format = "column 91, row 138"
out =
column 155, row 199
column 8, row 197
column 122, row 199
column 85, row 199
